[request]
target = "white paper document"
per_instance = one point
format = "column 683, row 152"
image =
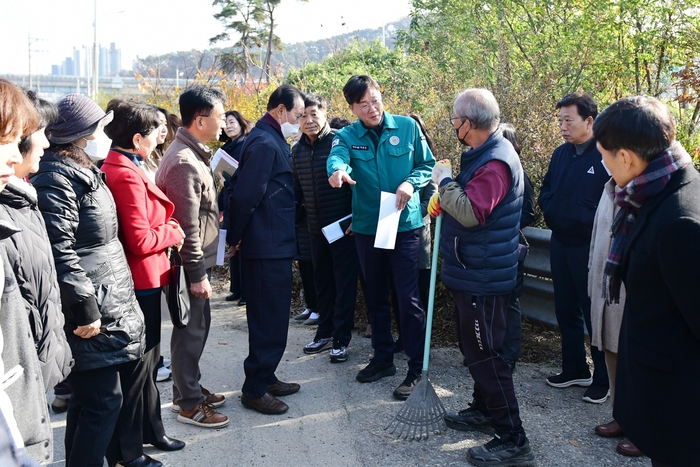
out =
column 336, row 230
column 221, row 249
column 388, row 223
column 223, row 162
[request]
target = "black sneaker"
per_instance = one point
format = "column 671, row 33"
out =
column 318, row 345
column 406, row 388
column 596, row 394
column 376, row 370
column 471, row 419
column 564, row 380
column 502, row 452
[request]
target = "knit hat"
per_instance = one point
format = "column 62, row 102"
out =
column 78, row 116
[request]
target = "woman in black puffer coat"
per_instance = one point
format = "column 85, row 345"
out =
column 104, row 324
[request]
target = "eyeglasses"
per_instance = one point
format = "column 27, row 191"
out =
column 452, row 119
column 221, row 119
column 376, row 103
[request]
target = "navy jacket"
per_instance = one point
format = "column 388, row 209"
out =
column 261, row 206
column 570, row 193
column 483, row 260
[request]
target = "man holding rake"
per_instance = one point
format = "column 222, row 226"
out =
column 479, row 248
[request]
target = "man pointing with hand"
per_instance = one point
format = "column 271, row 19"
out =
column 385, row 152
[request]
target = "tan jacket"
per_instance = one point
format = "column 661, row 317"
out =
column 605, row 319
column 185, row 177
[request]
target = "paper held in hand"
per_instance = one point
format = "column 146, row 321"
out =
column 336, row 230
column 223, row 162
column 388, row 222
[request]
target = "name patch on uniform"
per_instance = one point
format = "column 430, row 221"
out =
column 335, row 143
column 360, row 148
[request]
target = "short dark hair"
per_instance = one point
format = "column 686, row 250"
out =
column 641, row 124
column 357, row 86
column 339, row 122
column 286, row 95
column 314, row 99
column 198, row 100
column 508, row 132
column 131, row 117
column 48, row 113
column 585, row 105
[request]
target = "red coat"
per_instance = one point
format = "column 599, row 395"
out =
column 143, row 210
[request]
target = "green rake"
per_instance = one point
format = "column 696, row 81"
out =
column 423, row 413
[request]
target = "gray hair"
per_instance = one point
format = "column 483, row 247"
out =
column 479, row 107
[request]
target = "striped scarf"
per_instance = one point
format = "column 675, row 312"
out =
column 631, row 198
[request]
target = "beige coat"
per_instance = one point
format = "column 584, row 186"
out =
column 184, row 175
column 605, row 319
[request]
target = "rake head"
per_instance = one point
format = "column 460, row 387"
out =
column 421, row 414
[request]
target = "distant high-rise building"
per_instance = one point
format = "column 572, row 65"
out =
column 109, row 63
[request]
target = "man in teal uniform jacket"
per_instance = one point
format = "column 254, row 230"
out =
column 385, row 152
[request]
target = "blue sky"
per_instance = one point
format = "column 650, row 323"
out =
column 147, row 27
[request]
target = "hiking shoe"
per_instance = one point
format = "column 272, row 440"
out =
column 203, row 416
column 318, row 345
column 406, row 388
column 215, row 400
column 469, row 419
column 596, row 394
column 376, row 370
column 339, row 355
column 502, row 452
column 564, row 380
column 304, row 315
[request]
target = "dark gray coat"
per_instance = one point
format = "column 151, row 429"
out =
column 30, row 257
column 93, row 275
column 27, row 391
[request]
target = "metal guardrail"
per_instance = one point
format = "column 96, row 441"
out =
column 537, row 300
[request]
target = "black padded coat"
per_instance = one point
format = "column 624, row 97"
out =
column 93, row 275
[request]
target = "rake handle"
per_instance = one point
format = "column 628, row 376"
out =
column 431, row 295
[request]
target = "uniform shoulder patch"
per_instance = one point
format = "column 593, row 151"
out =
column 335, row 142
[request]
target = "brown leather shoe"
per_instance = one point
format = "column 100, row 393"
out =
column 203, row 416
column 609, row 430
column 267, row 404
column 626, row 448
column 280, row 388
column 215, row 400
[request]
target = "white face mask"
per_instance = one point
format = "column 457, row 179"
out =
column 98, row 148
column 289, row 129
column 605, row 167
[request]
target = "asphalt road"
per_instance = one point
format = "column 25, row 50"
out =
column 336, row 421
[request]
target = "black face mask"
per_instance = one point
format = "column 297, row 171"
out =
column 462, row 140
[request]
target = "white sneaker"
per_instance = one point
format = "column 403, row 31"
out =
column 304, row 315
column 163, row 374
column 166, row 362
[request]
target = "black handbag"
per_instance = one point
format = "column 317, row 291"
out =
column 178, row 296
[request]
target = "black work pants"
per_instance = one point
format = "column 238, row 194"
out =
column 335, row 273
column 573, row 309
column 481, row 327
